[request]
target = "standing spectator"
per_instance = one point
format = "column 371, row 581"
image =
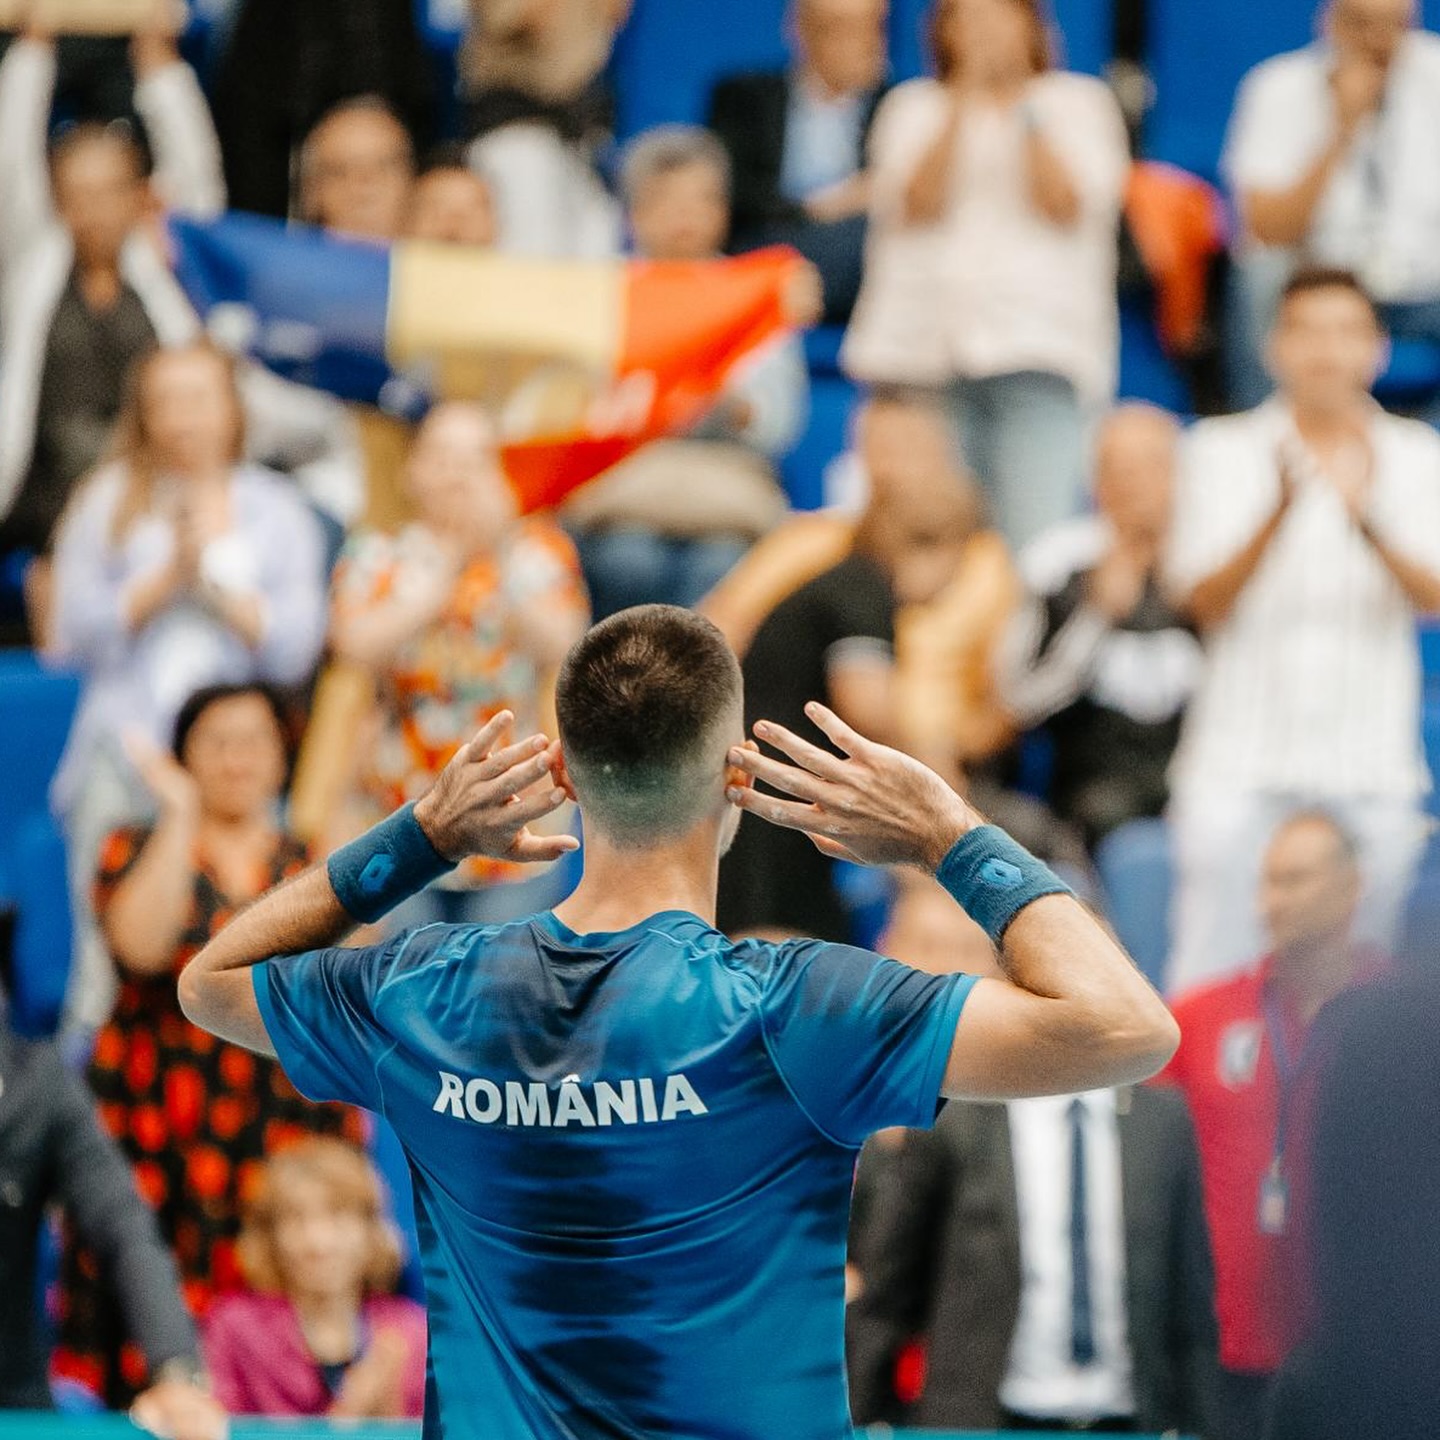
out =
column 644, row 537
column 1369, row 1368
column 797, row 138
column 1306, row 538
column 1052, row 1257
column 193, row 1115
column 995, row 196
column 467, row 611
column 532, row 73
column 357, row 167
column 288, row 62
column 52, row 1150
column 1099, row 655
column 1330, row 157
column 450, row 204
column 1247, row 1067
column 833, row 640
column 177, row 566
column 321, row 1331
column 86, row 290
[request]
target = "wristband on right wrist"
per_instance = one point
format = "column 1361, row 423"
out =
column 992, row 878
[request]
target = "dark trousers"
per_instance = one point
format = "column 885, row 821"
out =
column 1241, row 1401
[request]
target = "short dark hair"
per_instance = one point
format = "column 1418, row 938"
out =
column 211, row 695
column 637, row 700
column 1309, row 278
column 448, row 155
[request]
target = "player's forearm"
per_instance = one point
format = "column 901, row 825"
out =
column 1101, row 1006
column 216, row 992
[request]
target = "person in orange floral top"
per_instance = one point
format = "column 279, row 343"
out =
column 467, row 611
column 195, row 1116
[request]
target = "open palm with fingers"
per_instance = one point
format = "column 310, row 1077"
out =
column 870, row 804
column 483, row 801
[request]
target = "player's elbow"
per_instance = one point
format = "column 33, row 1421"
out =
column 193, row 995
column 1141, row 1042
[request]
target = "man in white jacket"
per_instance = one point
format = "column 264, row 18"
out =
column 85, row 288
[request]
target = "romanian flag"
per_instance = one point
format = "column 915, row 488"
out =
column 582, row 362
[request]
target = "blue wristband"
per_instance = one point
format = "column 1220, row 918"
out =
column 994, row 879
column 388, row 864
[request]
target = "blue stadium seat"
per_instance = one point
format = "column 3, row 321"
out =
column 1197, row 56
column 33, row 878
column 1136, row 874
column 832, row 399
column 36, row 707
column 1146, row 371
column 1413, row 374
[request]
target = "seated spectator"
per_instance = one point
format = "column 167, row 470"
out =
column 990, row 276
column 668, row 523
column 321, row 1332
column 796, row 141
column 1247, row 1065
column 538, row 108
column 1099, row 656
column 1305, row 541
column 54, row 1152
column 1368, row 1368
column 357, row 167
column 1330, row 158
column 177, row 566
column 450, row 204
column 1051, row 1256
column 193, row 1116
column 86, row 290
column 467, row 611
column 946, row 648
column 285, row 64
column 833, row 640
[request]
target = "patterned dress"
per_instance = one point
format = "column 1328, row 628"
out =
column 196, row 1116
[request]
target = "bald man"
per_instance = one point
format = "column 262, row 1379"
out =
column 834, row 637
column 1098, row 655
column 1330, row 156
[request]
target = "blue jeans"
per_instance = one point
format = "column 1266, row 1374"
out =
column 627, row 566
column 1024, row 436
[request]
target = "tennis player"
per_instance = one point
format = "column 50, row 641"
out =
column 632, row 1140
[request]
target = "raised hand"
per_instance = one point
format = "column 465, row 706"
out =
column 483, row 801
column 871, row 804
column 165, row 778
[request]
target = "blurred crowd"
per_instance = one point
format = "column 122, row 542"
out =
column 1177, row 658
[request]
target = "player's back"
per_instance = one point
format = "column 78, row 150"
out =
column 632, row 1156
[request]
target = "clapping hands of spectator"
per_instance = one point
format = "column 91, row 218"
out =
column 165, row 778
column 373, row 1388
column 1352, row 471
column 1358, row 85
column 1118, row 582
column 178, row 1410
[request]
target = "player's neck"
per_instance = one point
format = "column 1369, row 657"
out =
column 620, row 888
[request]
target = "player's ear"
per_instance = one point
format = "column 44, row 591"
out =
column 735, row 777
column 562, row 776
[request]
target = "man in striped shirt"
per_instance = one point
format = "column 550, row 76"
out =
column 1306, row 539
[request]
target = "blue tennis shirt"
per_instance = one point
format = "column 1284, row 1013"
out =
column 631, row 1155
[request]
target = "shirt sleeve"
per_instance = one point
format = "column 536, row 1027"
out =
column 861, row 1042
column 319, row 1011
column 1273, row 131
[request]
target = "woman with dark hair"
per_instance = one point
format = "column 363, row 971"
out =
column 195, row 1116
column 177, row 566
column 320, row 1331
column 1372, row 1365
column 990, row 270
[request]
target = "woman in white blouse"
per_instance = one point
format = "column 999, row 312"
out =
column 177, row 566
column 990, row 275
